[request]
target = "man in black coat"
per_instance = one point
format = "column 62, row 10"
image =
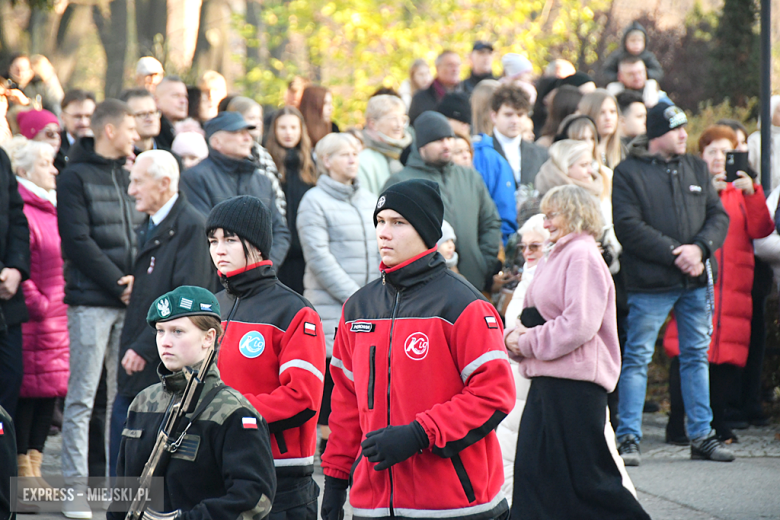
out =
column 96, row 218
column 172, row 251
column 670, row 221
column 229, row 171
column 77, row 108
column 447, row 80
column 172, row 101
column 14, row 268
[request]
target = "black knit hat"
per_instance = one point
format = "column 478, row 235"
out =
column 247, row 217
column 431, row 126
column 455, row 105
column 419, row 202
column 664, row 117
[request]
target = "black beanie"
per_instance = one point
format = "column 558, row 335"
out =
column 663, row 118
column 431, row 126
column 247, row 217
column 455, row 105
column 419, row 202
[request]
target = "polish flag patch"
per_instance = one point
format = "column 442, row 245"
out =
column 309, row 328
column 2, row 432
column 491, row 321
column 250, row 423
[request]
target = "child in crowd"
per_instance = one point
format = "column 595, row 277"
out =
column 634, row 43
column 446, row 246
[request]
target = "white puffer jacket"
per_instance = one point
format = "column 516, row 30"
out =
column 336, row 228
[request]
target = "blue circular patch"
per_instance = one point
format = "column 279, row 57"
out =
column 252, row 344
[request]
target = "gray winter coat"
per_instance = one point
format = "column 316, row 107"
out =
column 336, row 229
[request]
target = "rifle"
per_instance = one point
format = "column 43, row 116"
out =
column 169, row 438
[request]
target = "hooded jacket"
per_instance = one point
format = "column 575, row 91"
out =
column 659, row 205
column 219, row 177
column 175, row 253
column 45, row 336
column 469, row 209
column 273, row 352
column 500, row 181
column 405, row 353
column 749, row 220
column 335, row 224
column 654, row 70
column 96, row 218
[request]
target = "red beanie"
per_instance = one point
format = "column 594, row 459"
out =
column 31, row 122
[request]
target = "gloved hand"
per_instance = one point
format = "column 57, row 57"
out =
column 150, row 514
column 333, row 498
column 394, row 444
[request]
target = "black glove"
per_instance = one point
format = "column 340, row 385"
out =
column 394, row 444
column 150, row 514
column 333, row 498
column 530, row 318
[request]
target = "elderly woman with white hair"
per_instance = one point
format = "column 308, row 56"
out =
column 45, row 336
column 336, row 229
column 384, row 138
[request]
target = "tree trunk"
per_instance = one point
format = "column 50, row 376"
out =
column 38, row 28
column 202, row 46
column 151, row 19
column 113, row 34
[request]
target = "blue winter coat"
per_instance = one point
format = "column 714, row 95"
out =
column 500, row 182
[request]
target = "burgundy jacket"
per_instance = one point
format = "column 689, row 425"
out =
column 45, row 335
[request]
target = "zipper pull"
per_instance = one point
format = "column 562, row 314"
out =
column 383, row 278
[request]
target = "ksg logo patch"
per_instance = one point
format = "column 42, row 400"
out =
column 416, row 346
column 252, row 344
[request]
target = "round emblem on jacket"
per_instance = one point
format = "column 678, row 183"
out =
column 252, row 344
column 380, row 202
column 416, row 346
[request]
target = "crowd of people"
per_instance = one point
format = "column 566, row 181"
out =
column 504, row 250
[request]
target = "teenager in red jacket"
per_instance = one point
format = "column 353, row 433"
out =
column 421, row 380
column 749, row 219
column 273, row 351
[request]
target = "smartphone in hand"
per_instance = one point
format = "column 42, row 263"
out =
column 735, row 162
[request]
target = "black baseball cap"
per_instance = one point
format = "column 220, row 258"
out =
column 481, row 45
column 227, row 122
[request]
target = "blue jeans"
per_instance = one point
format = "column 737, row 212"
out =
column 647, row 313
column 118, row 419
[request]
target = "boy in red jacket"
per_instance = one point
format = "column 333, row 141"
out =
column 421, row 380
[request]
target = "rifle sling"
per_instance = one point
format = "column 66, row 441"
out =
column 204, row 403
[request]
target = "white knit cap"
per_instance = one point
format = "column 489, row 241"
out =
column 447, row 233
column 515, row 64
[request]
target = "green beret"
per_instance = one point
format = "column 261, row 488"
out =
column 186, row 300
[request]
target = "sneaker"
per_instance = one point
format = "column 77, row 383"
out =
column 629, row 451
column 710, row 448
column 78, row 507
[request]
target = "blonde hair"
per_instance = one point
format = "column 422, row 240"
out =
column 566, row 152
column 590, row 105
column 575, row 126
column 24, row 152
column 381, row 105
column 578, row 208
column 330, row 144
column 480, row 106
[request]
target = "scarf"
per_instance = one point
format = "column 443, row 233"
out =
column 387, row 146
column 550, row 176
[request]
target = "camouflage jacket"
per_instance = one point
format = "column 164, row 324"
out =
column 222, row 470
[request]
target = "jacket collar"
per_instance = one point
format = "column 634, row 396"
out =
column 416, row 161
column 249, row 280
column 336, row 189
column 227, row 164
column 166, row 224
column 83, row 151
column 416, row 270
column 175, row 382
column 638, row 148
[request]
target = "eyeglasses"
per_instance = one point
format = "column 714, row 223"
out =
column 550, row 216
column 533, row 247
column 78, row 116
column 147, row 115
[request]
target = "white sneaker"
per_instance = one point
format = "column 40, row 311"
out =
column 78, row 507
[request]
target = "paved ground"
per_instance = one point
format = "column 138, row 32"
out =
column 669, row 484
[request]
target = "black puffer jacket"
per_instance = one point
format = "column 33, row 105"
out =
column 219, row 177
column 14, row 242
column 658, row 206
column 96, row 219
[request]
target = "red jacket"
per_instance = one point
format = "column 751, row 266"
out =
column 421, row 344
column 749, row 220
column 45, row 335
column 273, row 352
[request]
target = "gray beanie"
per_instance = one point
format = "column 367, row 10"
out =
column 447, row 233
column 431, row 126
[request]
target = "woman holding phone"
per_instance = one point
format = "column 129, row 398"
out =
column 745, row 204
